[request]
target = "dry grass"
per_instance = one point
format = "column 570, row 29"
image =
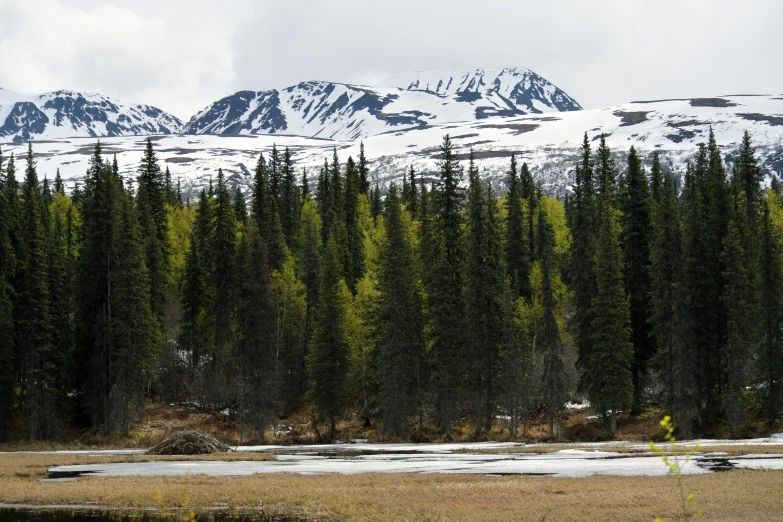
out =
column 33, row 465
column 737, row 495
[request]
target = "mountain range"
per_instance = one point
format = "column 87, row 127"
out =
column 494, row 112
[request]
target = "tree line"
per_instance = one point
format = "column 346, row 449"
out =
column 440, row 301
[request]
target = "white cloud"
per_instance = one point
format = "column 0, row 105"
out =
column 46, row 45
column 181, row 55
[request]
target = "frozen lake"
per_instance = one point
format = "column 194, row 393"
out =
column 359, row 457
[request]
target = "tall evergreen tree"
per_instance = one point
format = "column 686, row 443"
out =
column 289, row 201
column 551, row 343
column 517, row 253
column 33, row 309
column 354, row 265
column 364, row 175
column 400, row 342
column 636, row 240
column 151, row 202
column 8, row 392
column 376, row 205
column 611, row 381
column 444, row 287
column 484, row 274
column 240, row 207
column 327, row 362
column 224, row 278
column 771, row 307
column 257, row 343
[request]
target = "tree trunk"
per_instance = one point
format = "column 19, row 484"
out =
column 614, row 421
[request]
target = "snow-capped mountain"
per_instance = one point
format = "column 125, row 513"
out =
column 339, row 111
column 64, row 114
column 549, row 143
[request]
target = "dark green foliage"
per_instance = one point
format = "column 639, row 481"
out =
column 364, row 175
column 354, row 263
column 484, row 275
column 400, row 342
column 376, row 205
column 257, row 343
column 553, row 386
column 656, row 178
column 196, row 334
column 636, row 240
column 34, row 328
column 153, row 194
column 517, row 241
column 275, row 173
column 224, row 278
column 609, row 368
column 289, row 201
column 443, row 260
column 605, row 176
column 240, row 207
column 305, row 185
column 582, row 273
column 327, row 362
column 8, row 392
column 59, row 187
column 117, row 331
column 529, row 193
column 771, row 307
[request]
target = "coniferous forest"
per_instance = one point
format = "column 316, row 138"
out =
column 435, row 302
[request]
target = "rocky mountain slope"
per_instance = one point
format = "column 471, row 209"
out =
column 65, row 114
column 339, row 111
column 549, row 143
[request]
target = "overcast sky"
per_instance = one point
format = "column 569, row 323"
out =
column 181, row 55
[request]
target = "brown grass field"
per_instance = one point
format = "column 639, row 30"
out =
column 736, row 495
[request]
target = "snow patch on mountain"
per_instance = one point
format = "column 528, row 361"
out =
column 64, row 114
column 340, row 111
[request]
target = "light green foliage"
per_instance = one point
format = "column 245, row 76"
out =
column 675, row 460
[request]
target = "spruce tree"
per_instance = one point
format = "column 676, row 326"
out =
column 551, row 343
column 354, row 265
column 8, row 392
column 400, row 343
column 375, row 202
column 738, row 299
column 517, row 242
column 484, row 274
column 240, row 207
column 529, row 193
column 364, row 175
column 636, row 240
column 197, row 334
column 257, row 343
column 309, row 268
column 151, row 201
column 275, row 173
column 33, row 309
column 327, row 362
column 305, row 185
column 611, row 381
column 582, row 272
column 261, row 194
column 771, row 308
column 444, row 287
column 289, row 200
column 224, row 278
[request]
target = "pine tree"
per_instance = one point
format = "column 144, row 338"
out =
column 636, row 240
column 327, row 362
column 354, row 265
column 413, row 204
column 240, row 207
column 582, row 273
column 771, row 307
column 611, row 386
column 151, row 202
column 257, row 343
column 309, row 266
column 656, row 178
column 484, row 275
column 224, row 278
column 8, row 391
column 738, row 299
column 196, row 334
column 375, row 202
column 261, row 195
column 400, row 342
column 33, row 309
column 551, row 343
column 275, row 173
column 59, row 188
column 364, row 175
column 517, row 253
column 674, row 359
column 289, row 201
column 444, row 287
column 305, row 185
column 605, row 176
column 529, row 193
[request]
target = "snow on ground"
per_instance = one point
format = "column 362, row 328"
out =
column 549, row 143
